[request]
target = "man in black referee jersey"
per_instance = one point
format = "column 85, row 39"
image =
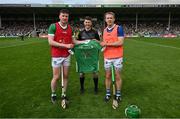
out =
column 88, row 33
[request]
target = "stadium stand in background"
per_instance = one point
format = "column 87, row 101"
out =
column 151, row 21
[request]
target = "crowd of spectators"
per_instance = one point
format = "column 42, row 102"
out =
column 143, row 28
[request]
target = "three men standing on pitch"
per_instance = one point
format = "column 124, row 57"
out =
column 60, row 40
column 88, row 33
column 113, row 38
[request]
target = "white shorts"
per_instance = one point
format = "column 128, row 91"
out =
column 58, row 61
column 117, row 63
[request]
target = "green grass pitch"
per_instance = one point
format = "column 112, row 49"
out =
column 151, row 80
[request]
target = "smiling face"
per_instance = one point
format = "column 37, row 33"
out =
column 109, row 18
column 64, row 18
column 87, row 24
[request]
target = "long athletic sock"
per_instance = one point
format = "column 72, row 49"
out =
column 118, row 93
column 108, row 92
column 95, row 83
column 82, row 82
column 53, row 94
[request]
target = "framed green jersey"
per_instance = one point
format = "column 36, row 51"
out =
column 87, row 57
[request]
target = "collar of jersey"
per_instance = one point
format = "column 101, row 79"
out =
column 111, row 27
column 88, row 30
column 64, row 27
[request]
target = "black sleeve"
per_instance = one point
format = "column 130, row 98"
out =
column 97, row 36
column 79, row 36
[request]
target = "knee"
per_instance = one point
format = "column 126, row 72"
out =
column 81, row 75
column 118, row 78
column 65, row 76
column 56, row 77
column 108, row 76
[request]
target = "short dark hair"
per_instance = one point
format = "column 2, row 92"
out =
column 64, row 11
column 111, row 13
column 88, row 18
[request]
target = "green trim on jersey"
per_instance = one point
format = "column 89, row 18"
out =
column 52, row 29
